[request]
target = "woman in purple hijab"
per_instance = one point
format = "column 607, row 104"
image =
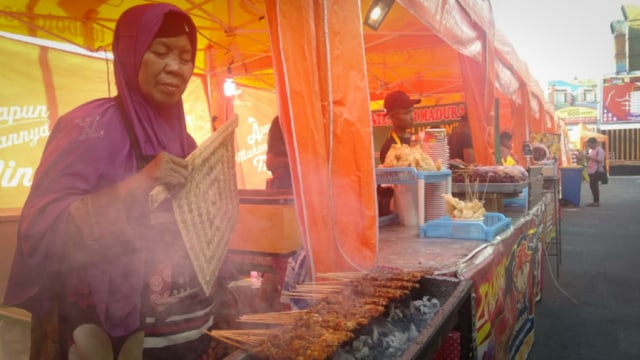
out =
column 103, row 276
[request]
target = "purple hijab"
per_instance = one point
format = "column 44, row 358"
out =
column 88, row 150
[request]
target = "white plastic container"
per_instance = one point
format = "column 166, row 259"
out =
column 405, row 203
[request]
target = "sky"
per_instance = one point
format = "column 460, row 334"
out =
column 561, row 39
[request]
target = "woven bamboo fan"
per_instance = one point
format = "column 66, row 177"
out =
column 207, row 209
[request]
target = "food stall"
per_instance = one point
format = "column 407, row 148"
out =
column 334, row 199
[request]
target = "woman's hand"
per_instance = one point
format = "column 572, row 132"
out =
column 165, row 169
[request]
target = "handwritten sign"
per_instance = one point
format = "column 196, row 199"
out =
column 254, row 150
column 24, row 129
column 256, row 109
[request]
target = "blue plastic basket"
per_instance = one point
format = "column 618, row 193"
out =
column 445, row 227
column 434, row 176
column 409, row 175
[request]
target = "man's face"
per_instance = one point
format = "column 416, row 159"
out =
column 165, row 70
column 402, row 118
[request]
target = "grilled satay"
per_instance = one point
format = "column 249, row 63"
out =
column 308, row 343
column 401, row 275
column 390, row 293
column 331, row 321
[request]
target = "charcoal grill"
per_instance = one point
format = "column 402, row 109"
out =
column 455, row 313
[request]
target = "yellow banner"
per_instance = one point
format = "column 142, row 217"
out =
column 577, row 114
column 256, row 109
column 43, row 83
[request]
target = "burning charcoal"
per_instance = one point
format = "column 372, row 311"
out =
column 413, row 332
column 341, row 354
column 359, row 349
column 397, row 340
column 388, row 337
column 363, row 353
column 426, row 306
column 374, row 335
column 395, row 313
column 362, row 342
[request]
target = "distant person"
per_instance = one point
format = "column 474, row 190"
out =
column 214, row 125
column 506, row 145
column 460, row 142
column 595, row 164
column 277, row 158
column 278, row 164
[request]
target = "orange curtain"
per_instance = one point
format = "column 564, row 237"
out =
column 519, row 129
column 479, row 94
column 324, row 107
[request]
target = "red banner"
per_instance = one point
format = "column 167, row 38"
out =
column 445, row 116
column 425, row 114
column 621, row 99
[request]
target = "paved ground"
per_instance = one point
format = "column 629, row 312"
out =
column 600, row 269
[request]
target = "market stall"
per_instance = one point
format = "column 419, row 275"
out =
column 330, row 132
column 505, row 272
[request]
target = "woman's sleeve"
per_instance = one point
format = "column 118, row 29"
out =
column 80, row 158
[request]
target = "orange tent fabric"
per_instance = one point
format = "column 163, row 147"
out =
column 473, row 56
column 324, row 109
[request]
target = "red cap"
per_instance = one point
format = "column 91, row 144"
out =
column 398, row 100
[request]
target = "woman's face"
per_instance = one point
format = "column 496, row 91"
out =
column 165, row 70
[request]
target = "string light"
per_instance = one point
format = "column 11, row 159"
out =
column 230, row 88
column 377, row 12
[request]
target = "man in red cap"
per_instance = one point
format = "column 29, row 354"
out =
column 399, row 108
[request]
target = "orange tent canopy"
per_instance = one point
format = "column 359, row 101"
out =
column 420, row 48
column 585, row 133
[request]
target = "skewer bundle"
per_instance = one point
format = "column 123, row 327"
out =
column 343, row 304
column 273, row 318
column 472, row 207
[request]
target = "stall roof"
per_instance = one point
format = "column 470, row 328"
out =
column 415, row 50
